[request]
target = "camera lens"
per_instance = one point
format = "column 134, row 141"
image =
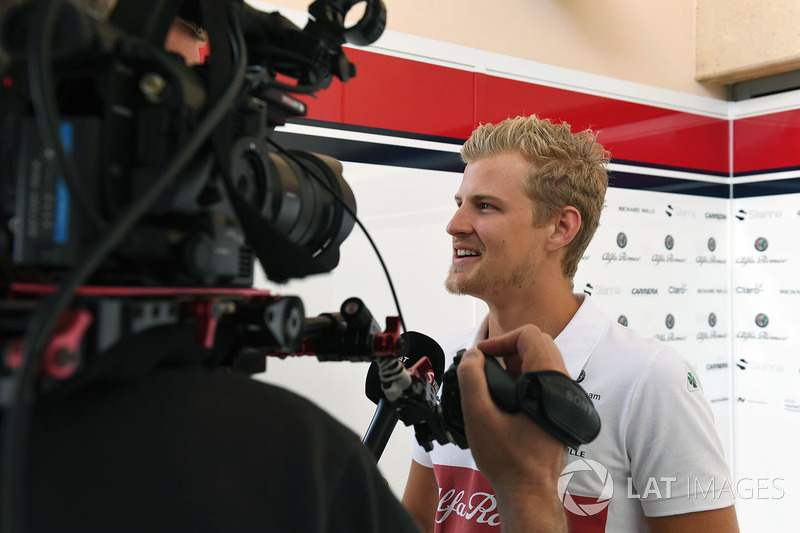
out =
column 301, row 207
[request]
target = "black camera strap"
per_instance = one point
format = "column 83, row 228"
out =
column 560, row 406
column 550, row 398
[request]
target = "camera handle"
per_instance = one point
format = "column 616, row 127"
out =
column 550, row 398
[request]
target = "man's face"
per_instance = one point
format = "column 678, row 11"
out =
column 495, row 245
column 181, row 39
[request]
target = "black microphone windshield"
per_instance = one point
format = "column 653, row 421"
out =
column 414, row 346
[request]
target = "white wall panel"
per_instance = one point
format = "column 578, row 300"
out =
column 766, row 357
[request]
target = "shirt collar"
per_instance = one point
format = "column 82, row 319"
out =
column 577, row 340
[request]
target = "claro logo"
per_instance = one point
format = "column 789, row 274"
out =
column 678, row 290
column 757, row 289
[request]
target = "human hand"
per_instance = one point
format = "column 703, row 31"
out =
column 520, row 460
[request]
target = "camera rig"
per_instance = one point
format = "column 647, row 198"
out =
column 136, row 193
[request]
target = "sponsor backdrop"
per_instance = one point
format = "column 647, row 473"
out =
column 692, row 249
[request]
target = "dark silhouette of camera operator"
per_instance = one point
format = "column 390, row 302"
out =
column 156, row 435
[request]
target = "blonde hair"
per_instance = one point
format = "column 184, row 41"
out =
column 566, row 169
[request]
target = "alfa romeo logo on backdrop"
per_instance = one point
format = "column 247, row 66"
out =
column 670, row 321
column 598, row 474
column 712, row 244
column 623, row 320
column 712, row 320
column 761, row 244
column 622, row 240
column 669, row 242
column 762, row 320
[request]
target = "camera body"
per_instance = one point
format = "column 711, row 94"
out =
column 120, row 108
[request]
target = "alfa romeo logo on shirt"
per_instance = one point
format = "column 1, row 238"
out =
column 623, row 320
column 761, row 244
column 669, row 321
column 762, row 320
column 622, row 240
column 597, row 474
column 712, row 244
column 669, row 242
column 712, row 320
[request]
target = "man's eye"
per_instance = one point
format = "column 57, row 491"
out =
column 484, row 205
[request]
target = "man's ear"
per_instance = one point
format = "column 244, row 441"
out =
column 565, row 223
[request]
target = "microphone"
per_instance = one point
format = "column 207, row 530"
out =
column 414, row 347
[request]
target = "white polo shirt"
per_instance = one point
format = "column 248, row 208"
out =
column 657, row 453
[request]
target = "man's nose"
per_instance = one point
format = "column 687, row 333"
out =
column 459, row 223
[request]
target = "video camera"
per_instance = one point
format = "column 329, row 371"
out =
column 120, row 108
column 136, row 193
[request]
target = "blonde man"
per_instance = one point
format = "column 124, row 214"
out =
column 528, row 205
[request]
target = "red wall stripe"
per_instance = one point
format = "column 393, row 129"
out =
column 767, row 142
column 417, row 97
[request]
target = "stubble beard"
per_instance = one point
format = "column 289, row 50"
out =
column 481, row 284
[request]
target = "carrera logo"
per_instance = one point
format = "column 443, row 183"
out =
column 645, row 291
